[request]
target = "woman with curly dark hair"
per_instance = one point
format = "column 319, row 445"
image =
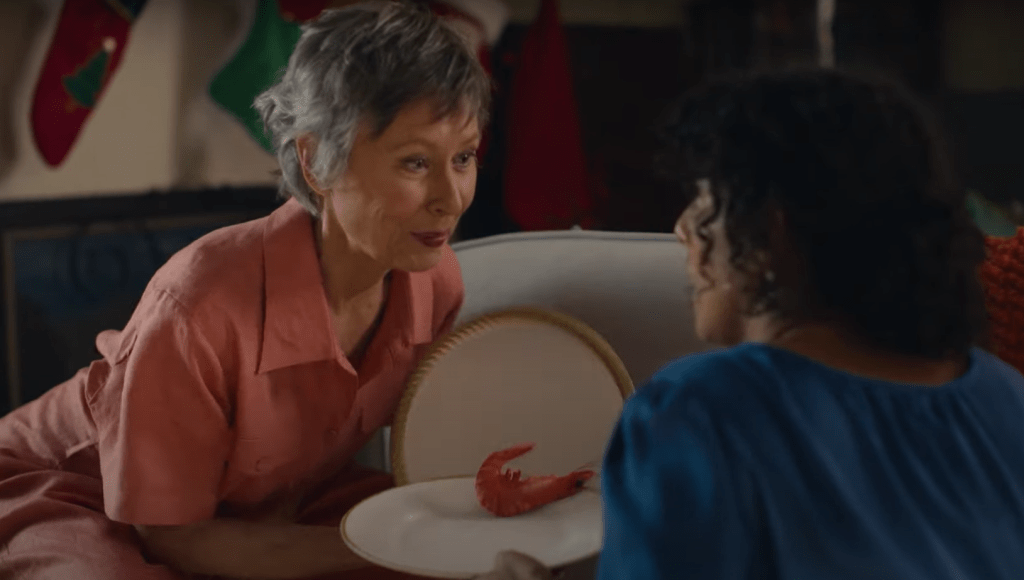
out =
column 851, row 428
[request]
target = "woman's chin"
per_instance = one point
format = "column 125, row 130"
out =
column 703, row 325
column 713, row 332
column 705, row 335
column 421, row 261
column 716, row 319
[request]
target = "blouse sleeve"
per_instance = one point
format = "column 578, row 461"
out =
column 669, row 509
column 162, row 418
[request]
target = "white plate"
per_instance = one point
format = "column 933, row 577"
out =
column 438, row 529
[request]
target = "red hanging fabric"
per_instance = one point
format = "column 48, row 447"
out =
column 545, row 172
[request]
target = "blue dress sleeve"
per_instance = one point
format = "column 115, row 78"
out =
column 670, row 499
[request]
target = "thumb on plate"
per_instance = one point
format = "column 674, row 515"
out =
column 519, row 566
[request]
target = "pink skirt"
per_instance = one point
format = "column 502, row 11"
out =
column 52, row 526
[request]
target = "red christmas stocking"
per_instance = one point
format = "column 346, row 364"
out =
column 546, row 180
column 86, row 50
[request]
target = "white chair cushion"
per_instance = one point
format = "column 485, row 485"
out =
column 632, row 288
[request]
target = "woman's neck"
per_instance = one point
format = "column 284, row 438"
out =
column 836, row 346
column 350, row 277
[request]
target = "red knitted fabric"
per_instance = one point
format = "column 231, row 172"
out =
column 1002, row 278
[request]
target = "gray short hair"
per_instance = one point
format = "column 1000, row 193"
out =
column 364, row 62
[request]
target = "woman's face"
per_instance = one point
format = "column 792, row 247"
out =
column 717, row 297
column 403, row 192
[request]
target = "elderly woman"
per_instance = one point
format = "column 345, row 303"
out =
column 849, row 429
column 215, row 435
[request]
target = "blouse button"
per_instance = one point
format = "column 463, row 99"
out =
column 260, row 464
column 332, row 432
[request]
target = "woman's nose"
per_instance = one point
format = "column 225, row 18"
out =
column 447, row 194
column 680, row 232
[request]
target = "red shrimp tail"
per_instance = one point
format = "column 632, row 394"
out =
column 505, row 455
column 495, row 489
column 490, row 474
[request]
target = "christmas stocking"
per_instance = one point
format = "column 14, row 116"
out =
column 264, row 53
column 260, row 59
column 546, row 180
column 86, row 50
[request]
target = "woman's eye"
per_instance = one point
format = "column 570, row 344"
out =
column 415, row 163
column 465, row 159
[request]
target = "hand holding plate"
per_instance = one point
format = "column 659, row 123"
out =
column 516, row 566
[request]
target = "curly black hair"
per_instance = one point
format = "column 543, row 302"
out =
column 867, row 191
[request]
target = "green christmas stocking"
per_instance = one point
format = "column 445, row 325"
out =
column 260, row 59
column 275, row 31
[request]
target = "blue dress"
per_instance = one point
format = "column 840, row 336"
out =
column 758, row 463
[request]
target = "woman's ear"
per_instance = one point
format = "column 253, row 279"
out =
column 305, row 147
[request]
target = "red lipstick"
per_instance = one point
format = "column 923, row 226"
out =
column 434, row 239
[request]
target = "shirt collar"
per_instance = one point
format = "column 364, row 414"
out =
column 296, row 320
column 414, row 306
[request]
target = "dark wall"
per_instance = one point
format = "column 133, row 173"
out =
column 623, row 78
column 987, row 133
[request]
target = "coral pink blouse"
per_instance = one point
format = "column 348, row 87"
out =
column 227, row 387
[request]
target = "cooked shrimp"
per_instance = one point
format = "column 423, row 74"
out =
column 504, row 493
